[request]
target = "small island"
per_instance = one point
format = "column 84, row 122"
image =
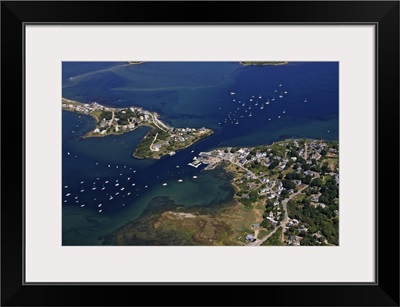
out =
column 258, row 63
column 161, row 140
column 135, row 62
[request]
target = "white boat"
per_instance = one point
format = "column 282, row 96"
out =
column 129, row 193
column 164, row 184
column 117, row 184
column 305, row 100
column 66, row 186
column 269, row 119
column 250, row 114
column 94, row 188
column 111, row 197
column 180, row 180
column 122, row 189
column 116, row 193
column 68, row 194
column 82, row 190
column 99, row 205
column 273, row 99
column 280, row 84
column 100, row 211
column 259, row 96
column 194, row 177
column 145, row 186
column 106, row 181
column 280, row 96
column 251, row 99
column 129, row 178
column 279, row 116
column 284, row 112
column 262, row 106
column 285, row 92
column 82, row 182
column 103, row 188
column 133, row 184
column 68, row 153
column 82, row 206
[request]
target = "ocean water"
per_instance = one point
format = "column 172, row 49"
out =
column 185, row 94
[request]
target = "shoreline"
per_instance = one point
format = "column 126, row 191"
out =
column 260, row 63
column 117, row 121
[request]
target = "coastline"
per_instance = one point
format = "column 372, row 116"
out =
column 250, row 212
column 116, row 121
column 259, row 63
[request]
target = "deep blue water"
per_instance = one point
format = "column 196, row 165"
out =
column 185, row 94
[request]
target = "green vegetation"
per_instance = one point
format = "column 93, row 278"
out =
column 275, row 239
column 125, row 116
column 107, row 115
column 156, row 143
column 319, row 216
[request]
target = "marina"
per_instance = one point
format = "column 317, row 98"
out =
column 102, row 170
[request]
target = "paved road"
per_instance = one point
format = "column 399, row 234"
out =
column 284, row 206
column 258, row 242
column 157, row 123
column 284, row 221
column 151, row 145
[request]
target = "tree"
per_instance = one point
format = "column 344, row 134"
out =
column 284, row 193
column 316, row 182
column 325, row 167
column 273, row 164
column 288, row 184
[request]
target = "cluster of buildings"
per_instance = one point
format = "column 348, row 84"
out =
column 299, row 157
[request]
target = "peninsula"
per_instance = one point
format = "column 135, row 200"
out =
column 161, row 140
column 286, row 193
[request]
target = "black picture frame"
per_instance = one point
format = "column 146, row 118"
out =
column 383, row 14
